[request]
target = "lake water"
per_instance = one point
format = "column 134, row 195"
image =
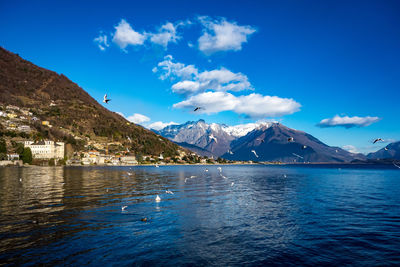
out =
column 256, row 215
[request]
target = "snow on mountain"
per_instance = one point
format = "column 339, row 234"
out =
column 215, row 138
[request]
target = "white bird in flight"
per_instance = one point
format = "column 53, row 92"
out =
column 105, row 99
column 123, row 208
column 254, row 152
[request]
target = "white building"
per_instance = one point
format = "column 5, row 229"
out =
column 46, row 149
column 24, row 128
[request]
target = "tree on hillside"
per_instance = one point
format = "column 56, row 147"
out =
column 19, row 149
column 27, row 155
column 3, row 146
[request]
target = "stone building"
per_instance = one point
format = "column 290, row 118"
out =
column 46, row 149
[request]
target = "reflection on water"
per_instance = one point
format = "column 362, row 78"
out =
column 270, row 215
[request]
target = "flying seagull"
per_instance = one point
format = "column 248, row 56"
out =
column 105, row 99
column 290, row 139
column 377, row 140
column 386, row 148
column 123, row 208
column 294, row 154
column 254, row 152
column 197, row 108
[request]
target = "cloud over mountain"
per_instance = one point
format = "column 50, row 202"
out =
column 192, row 81
column 253, row 105
column 347, row 122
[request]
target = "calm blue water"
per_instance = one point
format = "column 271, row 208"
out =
column 270, row 215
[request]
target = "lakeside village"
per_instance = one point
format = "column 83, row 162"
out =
column 17, row 125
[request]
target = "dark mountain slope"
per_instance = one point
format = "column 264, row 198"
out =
column 271, row 144
column 53, row 97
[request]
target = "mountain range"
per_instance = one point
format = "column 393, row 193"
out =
column 391, row 151
column 262, row 141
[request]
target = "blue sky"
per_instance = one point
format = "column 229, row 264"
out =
column 303, row 63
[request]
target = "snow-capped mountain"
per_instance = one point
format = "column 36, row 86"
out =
column 261, row 141
column 214, row 138
column 280, row 143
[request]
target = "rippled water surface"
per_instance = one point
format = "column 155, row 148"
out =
column 241, row 215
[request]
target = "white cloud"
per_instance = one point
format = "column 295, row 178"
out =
column 166, row 33
column 124, row 35
column 211, row 102
column 224, row 80
column 350, row 148
column 169, row 69
column 102, row 41
column 138, row 118
column 256, row 106
column 221, row 35
column 253, row 105
column 158, row 125
column 192, row 81
column 185, row 87
column 348, row 122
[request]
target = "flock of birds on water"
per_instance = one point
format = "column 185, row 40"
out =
column 290, row 139
column 158, row 198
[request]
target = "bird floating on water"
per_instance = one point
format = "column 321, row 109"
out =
column 123, row 208
column 169, row 192
column 206, row 170
column 105, row 99
column 377, row 140
column 220, row 169
column 232, row 183
column 290, row 139
column 304, row 147
column 158, row 199
column 144, row 219
column 386, row 148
